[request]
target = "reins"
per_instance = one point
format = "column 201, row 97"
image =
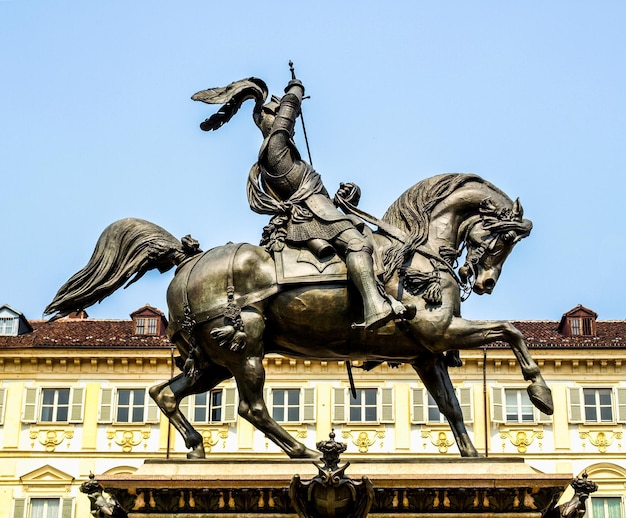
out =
column 397, row 234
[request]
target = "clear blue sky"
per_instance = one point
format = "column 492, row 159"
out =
column 96, row 124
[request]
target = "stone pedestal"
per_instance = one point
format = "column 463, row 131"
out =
column 416, row 487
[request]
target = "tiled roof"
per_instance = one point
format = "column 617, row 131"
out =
column 120, row 333
column 83, row 333
column 545, row 334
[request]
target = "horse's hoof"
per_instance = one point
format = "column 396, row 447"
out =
column 196, row 453
column 312, row 454
column 541, row 397
column 306, row 453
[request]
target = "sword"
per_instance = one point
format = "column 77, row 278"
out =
column 306, row 139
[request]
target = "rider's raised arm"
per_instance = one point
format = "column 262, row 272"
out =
column 281, row 152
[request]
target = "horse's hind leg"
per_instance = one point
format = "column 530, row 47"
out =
column 247, row 367
column 169, row 394
column 433, row 371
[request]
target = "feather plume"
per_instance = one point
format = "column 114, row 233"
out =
column 231, row 98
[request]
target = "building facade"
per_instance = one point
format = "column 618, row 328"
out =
column 74, row 401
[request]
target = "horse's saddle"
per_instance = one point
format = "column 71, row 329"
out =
column 300, row 265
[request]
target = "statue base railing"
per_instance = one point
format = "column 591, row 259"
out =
column 492, row 487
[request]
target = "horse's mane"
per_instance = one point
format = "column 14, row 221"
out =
column 411, row 214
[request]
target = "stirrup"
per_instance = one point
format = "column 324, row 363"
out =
column 380, row 319
column 397, row 311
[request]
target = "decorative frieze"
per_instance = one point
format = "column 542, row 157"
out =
column 50, row 438
column 128, row 438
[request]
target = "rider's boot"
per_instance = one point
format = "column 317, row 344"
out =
column 377, row 309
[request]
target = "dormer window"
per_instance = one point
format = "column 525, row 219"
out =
column 146, row 326
column 148, row 321
column 581, row 326
column 579, row 321
column 12, row 322
column 8, row 325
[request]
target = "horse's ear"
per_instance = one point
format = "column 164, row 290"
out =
column 518, row 210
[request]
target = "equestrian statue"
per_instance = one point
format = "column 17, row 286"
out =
column 324, row 283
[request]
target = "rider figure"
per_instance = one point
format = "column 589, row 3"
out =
column 290, row 187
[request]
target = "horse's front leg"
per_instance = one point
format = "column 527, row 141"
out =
column 433, row 371
column 250, row 380
column 469, row 334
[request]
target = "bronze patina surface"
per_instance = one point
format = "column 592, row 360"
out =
column 387, row 291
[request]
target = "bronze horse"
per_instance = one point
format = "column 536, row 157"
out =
column 226, row 309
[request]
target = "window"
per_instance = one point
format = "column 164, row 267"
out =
column 371, row 405
column 291, row 405
column 130, row 405
column 364, row 406
column 286, row 405
column 597, row 404
column 53, row 405
column 513, row 405
column 519, row 408
column 42, row 508
column 208, row 407
column 146, row 326
column 582, row 326
column 424, row 409
column 434, row 415
column 127, row 405
column 8, row 326
column 215, row 406
column 605, row 507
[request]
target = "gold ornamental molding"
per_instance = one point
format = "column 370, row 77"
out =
column 438, row 439
column 211, row 437
column 128, row 438
column 600, row 439
column 521, row 439
column 364, row 439
column 50, row 438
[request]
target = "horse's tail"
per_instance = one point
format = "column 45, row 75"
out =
column 129, row 247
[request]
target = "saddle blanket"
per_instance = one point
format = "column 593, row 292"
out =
column 300, row 265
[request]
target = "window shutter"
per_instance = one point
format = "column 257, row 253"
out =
column 230, row 405
column 3, row 394
column 308, row 405
column 620, row 398
column 67, row 505
column 386, row 405
column 497, row 407
column 77, row 404
column 153, row 412
column 185, row 407
column 339, row 405
column 106, row 406
column 29, row 413
column 418, row 414
column 269, row 400
column 465, row 400
column 19, row 508
column 575, row 405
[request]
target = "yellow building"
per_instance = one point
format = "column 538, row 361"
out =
column 74, row 401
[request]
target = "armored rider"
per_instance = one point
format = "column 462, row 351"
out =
column 284, row 185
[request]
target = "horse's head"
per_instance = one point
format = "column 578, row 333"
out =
column 489, row 238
